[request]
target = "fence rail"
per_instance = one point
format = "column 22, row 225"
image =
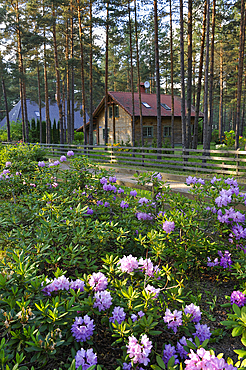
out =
column 210, row 161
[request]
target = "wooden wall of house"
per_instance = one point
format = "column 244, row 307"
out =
column 123, row 130
column 166, row 121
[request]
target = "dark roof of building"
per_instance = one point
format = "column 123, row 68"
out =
column 33, row 112
column 124, row 99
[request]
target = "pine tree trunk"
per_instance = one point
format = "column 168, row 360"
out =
column 106, row 82
column 6, row 108
column 199, row 84
column 91, row 81
column 72, row 72
column 138, row 72
column 69, row 139
column 132, row 82
column 157, row 73
column 20, row 65
column 205, row 121
column 58, row 86
column 46, row 94
column 63, row 111
column 183, row 118
column 240, row 72
column 82, row 70
column 243, row 111
column 172, row 92
column 189, row 80
column 39, row 99
column 211, row 79
column 221, row 94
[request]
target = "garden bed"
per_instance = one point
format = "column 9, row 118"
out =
column 87, row 266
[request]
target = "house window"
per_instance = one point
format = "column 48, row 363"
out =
column 146, row 105
column 148, row 131
column 167, row 131
column 116, row 111
column 110, row 111
column 104, row 131
column 165, row 106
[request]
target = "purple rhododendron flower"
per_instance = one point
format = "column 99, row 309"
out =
column 77, row 284
column 141, row 314
column 8, row 164
column 134, row 317
column 202, row 332
column 103, row 181
column 98, row 281
column 103, row 300
column 70, row 153
column 231, row 182
column 60, row 283
column 56, row 163
column 106, row 204
column 139, row 352
column 121, row 191
column 169, row 352
column 180, row 347
column 173, row 320
column 119, row 315
column 225, row 260
column 85, row 358
column 63, row 158
column 168, row 226
column 99, row 203
column 89, row 211
column 153, row 290
column 146, row 266
column 124, row 204
column 143, row 201
column 128, row 264
column 112, row 179
column 144, row 216
column 133, row 193
column 238, row 232
column 191, row 180
column 194, row 311
column 82, row 328
column 157, row 176
column 238, row 298
column 214, row 179
column 203, row 359
column 5, row 172
column 41, row 164
column 212, row 264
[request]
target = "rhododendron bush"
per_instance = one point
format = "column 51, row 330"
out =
column 94, row 275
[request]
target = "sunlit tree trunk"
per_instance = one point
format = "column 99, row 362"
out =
column 172, row 92
column 138, row 72
column 199, row 83
column 6, row 107
column 240, row 72
column 211, row 78
column 46, row 94
column 106, row 81
column 69, row 139
column 91, row 80
column 183, row 118
column 82, row 69
column 132, row 82
column 221, row 93
column 58, row 86
column 189, row 80
column 72, row 72
column 206, row 78
column 39, row 99
column 157, row 74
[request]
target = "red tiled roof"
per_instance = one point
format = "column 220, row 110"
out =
column 124, row 99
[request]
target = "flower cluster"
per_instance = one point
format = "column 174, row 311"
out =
column 144, row 216
column 139, row 352
column 82, row 328
column 118, row 315
column 85, row 358
column 193, row 180
column 203, row 359
column 168, row 226
column 173, row 320
column 98, row 281
column 225, row 260
column 238, row 298
column 103, row 300
column 194, row 311
column 128, row 263
column 62, row 283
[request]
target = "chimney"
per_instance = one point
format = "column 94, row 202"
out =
column 142, row 88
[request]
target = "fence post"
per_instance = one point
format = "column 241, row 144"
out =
column 111, row 154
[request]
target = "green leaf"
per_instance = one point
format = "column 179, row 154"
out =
column 155, row 367
column 171, row 362
column 240, row 352
column 160, row 362
column 237, row 331
column 189, row 344
column 236, row 309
